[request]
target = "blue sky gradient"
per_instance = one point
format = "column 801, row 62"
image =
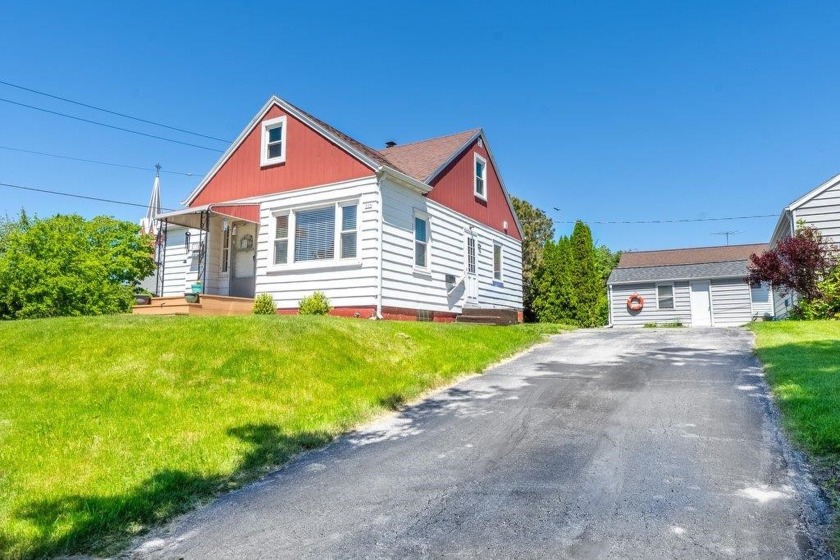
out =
column 607, row 110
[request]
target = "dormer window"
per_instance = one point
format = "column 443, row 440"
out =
column 480, row 179
column 273, row 149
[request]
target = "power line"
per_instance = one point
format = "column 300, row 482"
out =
column 108, row 125
column 94, row 161
column 677, row 221
column 138, row 119
column 72, row 195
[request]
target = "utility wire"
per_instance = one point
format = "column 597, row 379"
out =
column 72, row 195
column 138, row 119
column 94, row 161
column 678, row 221
column 108, row 125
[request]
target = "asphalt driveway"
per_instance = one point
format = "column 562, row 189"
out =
column 598, row 444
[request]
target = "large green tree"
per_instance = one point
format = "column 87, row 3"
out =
column 589, row 292
column 537, row 230
column 67, row 265
column 554, row 291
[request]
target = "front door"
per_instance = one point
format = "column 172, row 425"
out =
column 243, row 242
column 701, row 304
column 471, row 276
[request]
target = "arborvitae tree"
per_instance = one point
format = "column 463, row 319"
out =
column 554, row 292
column 588, row 290
column 537, row 230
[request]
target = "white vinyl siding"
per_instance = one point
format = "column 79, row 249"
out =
column 731, row 304
column 623, row 317
column 347, row 282
column 407, row 287
column 730, row 301
column 823, row 213
column 762, row 302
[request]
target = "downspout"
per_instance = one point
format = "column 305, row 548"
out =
column 609, row 306
column 380, row 229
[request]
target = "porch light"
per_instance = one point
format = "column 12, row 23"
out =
column 187, row 240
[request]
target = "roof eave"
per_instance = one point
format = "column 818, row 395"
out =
column 403, row 179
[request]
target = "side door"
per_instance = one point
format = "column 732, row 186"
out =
column 471, row 276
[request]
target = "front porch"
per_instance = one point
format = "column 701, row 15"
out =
column 213, row 246
column 207, row 305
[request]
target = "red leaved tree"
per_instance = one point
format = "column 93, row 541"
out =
column 796, row 264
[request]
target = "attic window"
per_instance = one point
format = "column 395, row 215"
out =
column 273, row 148
column 480, row 179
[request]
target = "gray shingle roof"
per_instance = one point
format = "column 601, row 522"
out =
column 678, row 272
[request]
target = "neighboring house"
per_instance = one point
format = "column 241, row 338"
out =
column 699, row 287
column 415, row 231
column 820, row 208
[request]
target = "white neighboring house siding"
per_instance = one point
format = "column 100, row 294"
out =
column 351, row 283
column 622, row 317
column 762, row 302
column 731, row 302
column 403, row 286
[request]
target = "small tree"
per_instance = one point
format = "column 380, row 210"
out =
column 537, row 230
column 797, row 264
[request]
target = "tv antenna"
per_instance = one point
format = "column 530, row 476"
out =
column 728, row 233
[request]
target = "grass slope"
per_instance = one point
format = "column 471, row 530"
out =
column 110, row 425
column 802, row 360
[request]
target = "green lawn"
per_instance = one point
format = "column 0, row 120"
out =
column 111, row 425
column 802, row 360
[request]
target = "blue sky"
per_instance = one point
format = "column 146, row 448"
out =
column 607, row 110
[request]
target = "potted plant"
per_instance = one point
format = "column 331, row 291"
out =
column 142, row 297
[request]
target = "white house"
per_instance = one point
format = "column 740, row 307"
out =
column 697, row 287
column 819, row 208
column 415, row 231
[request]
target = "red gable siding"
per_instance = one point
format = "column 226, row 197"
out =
column 454, row 188
column 311, row 160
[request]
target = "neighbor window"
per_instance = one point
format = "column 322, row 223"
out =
column 312, row 234
column 273, row 149
column 281, row 240
column 480, row 182
column 421, row 242
column 497, row 262
column 760, row 293
column 665, row 296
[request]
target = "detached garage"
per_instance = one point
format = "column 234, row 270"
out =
column 699, row 287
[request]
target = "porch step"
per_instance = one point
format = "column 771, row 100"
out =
column 207, row 305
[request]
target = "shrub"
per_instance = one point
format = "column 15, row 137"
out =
column 316, row 304
column 264, row 305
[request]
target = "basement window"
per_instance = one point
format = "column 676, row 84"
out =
column 273, row 146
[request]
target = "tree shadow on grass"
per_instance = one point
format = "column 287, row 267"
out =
column 104, row 524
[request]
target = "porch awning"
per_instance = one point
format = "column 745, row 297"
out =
column 191, row 217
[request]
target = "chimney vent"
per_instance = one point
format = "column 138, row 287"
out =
column 390, row 144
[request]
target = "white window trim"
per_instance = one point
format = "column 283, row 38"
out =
column 673, row 295
column 500, row 281
column 476, row 159
column 225, row 234
column 267, row 125
column 336, row 261
column 425, row 217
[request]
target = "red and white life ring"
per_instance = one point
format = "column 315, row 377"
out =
column 635, row 302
